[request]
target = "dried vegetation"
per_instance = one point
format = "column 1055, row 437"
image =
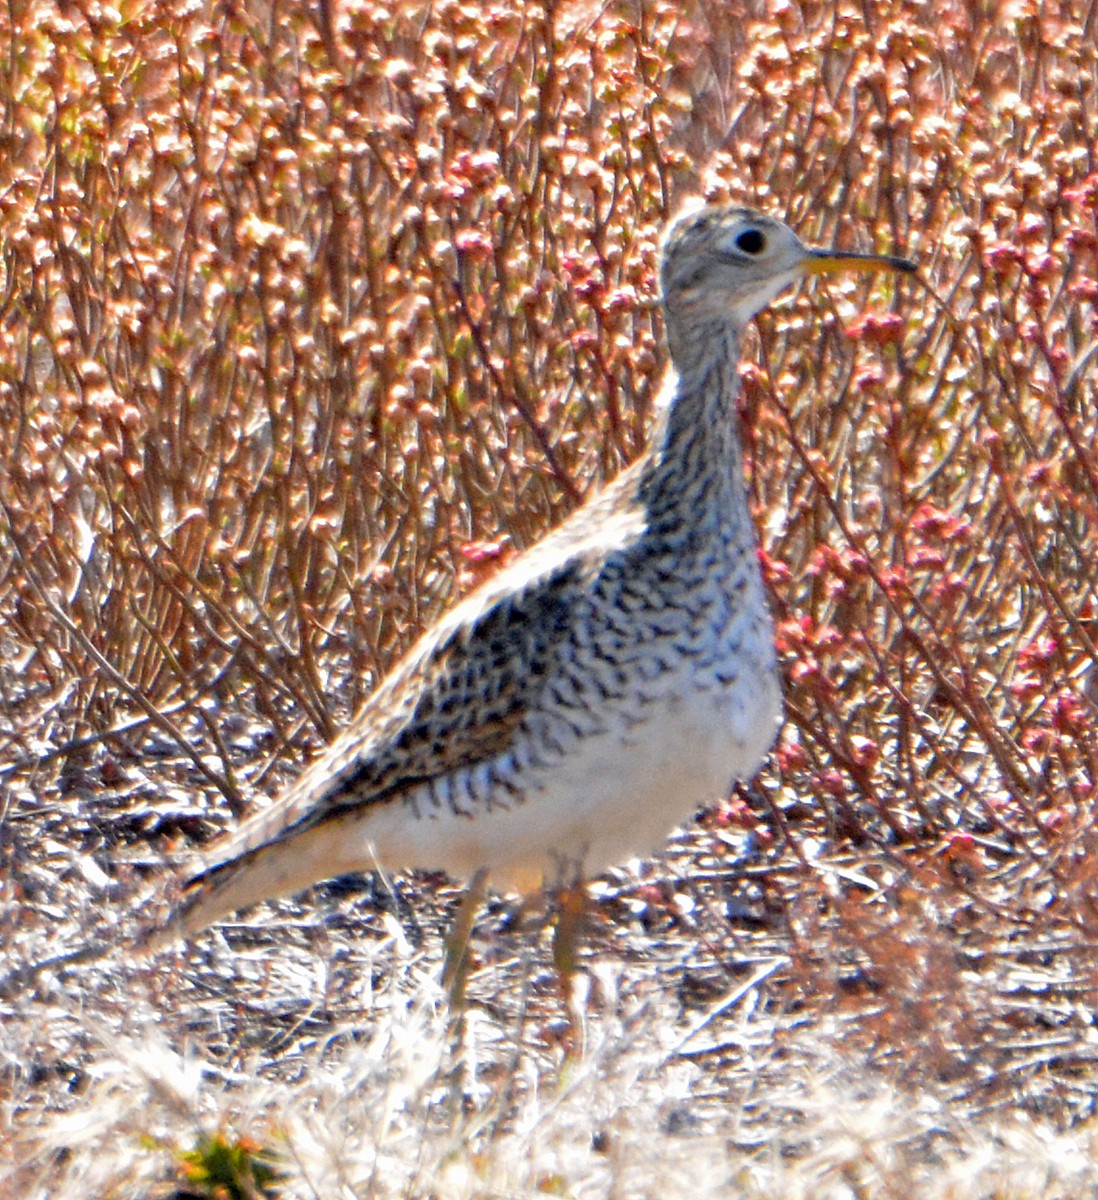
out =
column 311, row 315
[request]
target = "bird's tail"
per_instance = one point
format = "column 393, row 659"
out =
column 279, row 867
column 208, row 896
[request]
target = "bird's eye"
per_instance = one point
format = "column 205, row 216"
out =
column 751, row 241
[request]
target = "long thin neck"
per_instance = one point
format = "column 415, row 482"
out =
column 694, row 479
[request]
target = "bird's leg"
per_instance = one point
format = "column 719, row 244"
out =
column 571, row 912
column 455, row 971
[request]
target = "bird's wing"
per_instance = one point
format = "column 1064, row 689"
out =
column 455, row 698
column 452, row 702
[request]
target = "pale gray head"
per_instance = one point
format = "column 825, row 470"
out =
column 722, row 264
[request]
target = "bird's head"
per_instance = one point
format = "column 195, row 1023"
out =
column 728, row 262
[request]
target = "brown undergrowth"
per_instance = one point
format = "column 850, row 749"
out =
column 311, row 316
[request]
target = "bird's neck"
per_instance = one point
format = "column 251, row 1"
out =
column 694, row 477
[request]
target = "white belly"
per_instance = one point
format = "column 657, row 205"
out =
column 612, row 797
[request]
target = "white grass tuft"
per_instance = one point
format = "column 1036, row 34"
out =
column 397, row 1106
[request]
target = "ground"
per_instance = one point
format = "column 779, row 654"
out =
column 309, row 319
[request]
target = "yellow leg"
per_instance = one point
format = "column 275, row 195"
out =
column 568, row 928
column 455, row 971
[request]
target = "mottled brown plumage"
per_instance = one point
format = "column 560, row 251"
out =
column 587, row 699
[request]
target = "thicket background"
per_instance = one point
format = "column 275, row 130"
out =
column 311, row 316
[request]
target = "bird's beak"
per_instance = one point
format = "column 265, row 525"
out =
column 824, row 262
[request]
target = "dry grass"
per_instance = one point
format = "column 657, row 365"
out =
column 308, row 318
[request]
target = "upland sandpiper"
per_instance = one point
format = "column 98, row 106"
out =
column 597, row 691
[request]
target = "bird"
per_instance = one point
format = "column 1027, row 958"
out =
column 603, row 686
